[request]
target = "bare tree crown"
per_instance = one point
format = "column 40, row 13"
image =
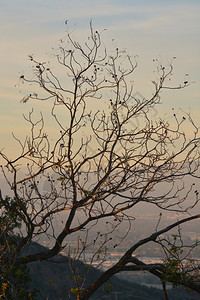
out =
column 101, row 162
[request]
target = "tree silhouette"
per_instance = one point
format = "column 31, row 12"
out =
column 104, row 157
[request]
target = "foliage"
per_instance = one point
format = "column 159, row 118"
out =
column 14, row 280
column 179, row 268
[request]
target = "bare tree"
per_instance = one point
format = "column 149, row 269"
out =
column 105, row 156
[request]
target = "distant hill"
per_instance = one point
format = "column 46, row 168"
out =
column 54, row 279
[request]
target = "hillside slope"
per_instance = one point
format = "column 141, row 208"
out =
column 54, row 280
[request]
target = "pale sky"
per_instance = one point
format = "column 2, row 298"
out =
column 147, row 28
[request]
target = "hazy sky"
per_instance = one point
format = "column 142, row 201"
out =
column 149, row 28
